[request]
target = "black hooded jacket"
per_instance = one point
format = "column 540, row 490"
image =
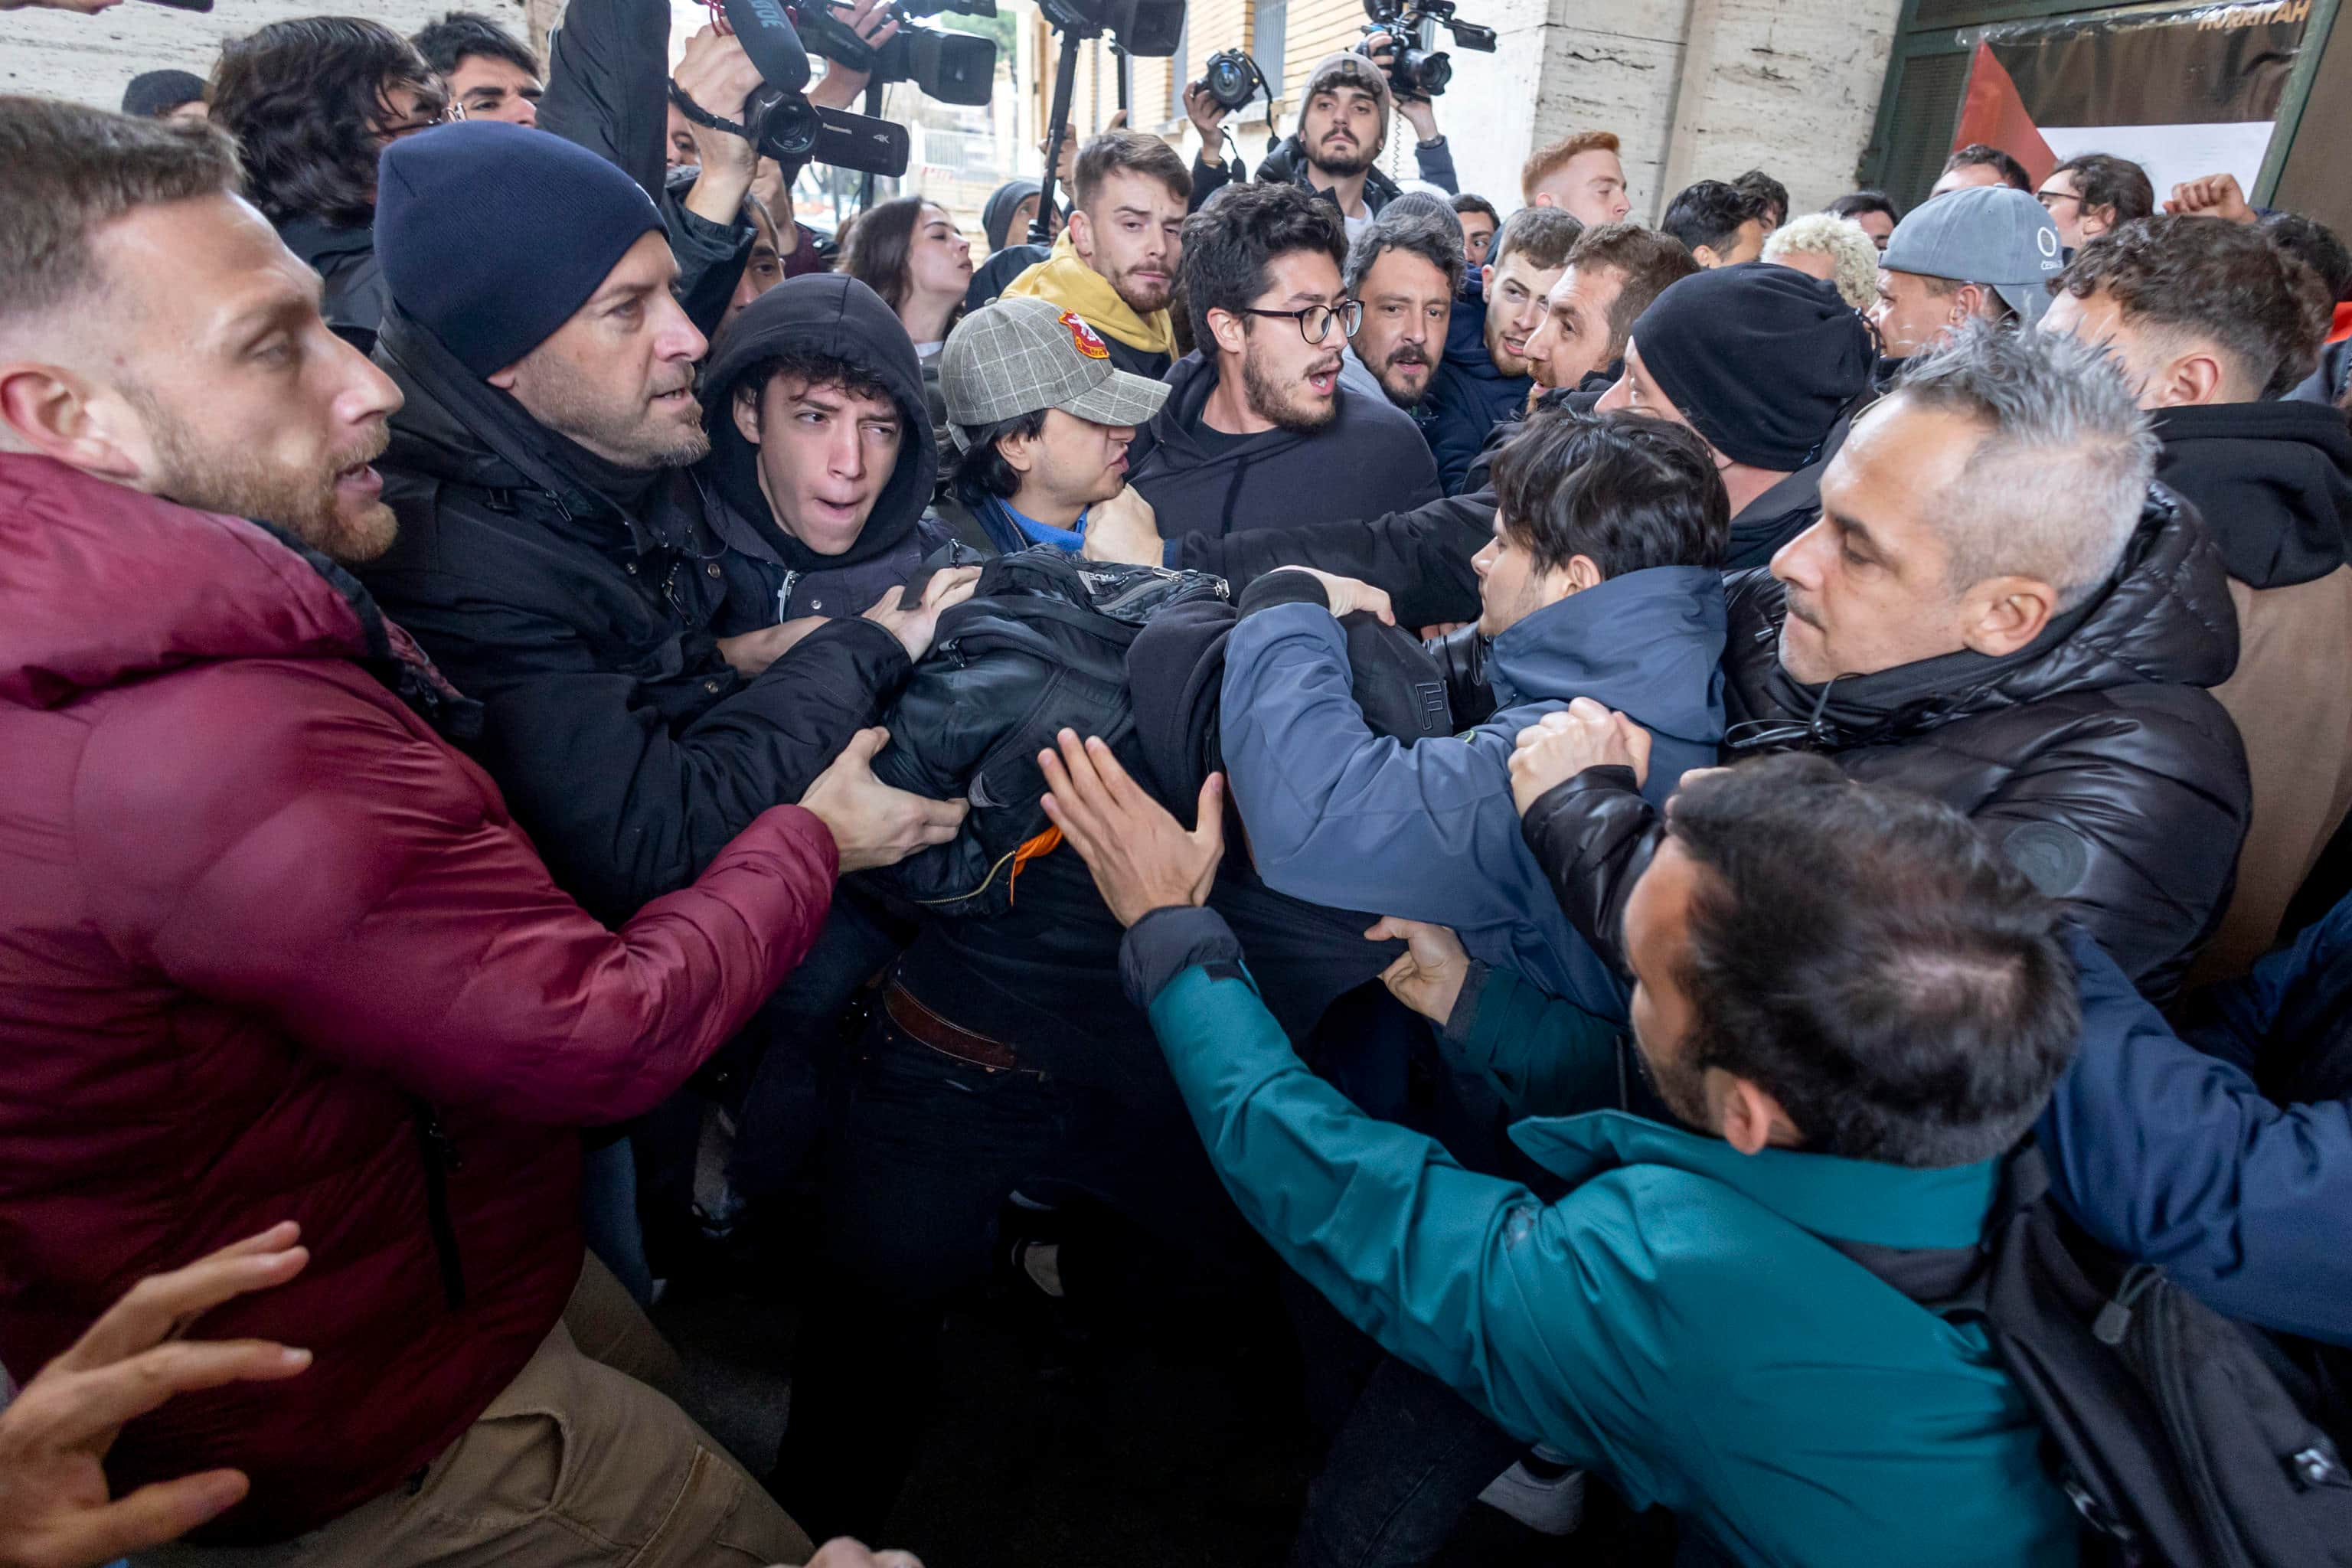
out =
column 2272, row 482
column 771, row 575
column 355, row 296
column 2110, row 773
column 1367, row 460
column 576, row 600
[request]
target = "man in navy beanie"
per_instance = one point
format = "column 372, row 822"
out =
column 554, row 553
column 1769, row 367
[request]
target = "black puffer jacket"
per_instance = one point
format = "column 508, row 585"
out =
column 773, row 576
column 576, row 600
column 2109, row 772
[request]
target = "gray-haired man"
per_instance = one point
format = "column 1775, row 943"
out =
column 1041, row 418
column 1994, row 610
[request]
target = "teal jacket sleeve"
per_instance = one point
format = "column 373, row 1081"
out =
column 1548, row 1056
column 1473, row 1279
column 1341, row 816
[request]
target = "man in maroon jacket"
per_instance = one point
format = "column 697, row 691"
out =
column 271, row 948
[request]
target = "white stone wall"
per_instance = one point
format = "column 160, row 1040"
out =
column 57, row 53
column 1789, row 85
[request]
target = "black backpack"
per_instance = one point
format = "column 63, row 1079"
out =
column 2183, row 1438
column 1040, row 646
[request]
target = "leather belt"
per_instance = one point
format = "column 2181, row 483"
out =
column 947, row 1038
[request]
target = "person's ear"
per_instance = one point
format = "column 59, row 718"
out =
column 1967, row 300
column 1082, row 234
column 50, row 410
column 1581, row 573
column 1019, row 450
column 1487, row 270
column 2104, row 216
column 1747, row 1118
column 504, row 379
column 2002, row 615
column 1706, row 257
column 2193, row 378
column 746, row 409
column 1230, row 331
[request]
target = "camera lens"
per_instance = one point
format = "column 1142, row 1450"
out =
column 1229, row 79
column 1432, row 72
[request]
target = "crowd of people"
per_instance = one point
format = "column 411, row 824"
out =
column 1566, row 805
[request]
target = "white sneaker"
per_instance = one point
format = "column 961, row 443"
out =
column 1548, row 1500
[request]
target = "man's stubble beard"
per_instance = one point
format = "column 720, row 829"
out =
column 562, row 400
column 1359, row 163
column 240, row 484
column 1266, row 400
column 1142, row 302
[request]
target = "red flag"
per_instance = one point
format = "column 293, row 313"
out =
column 1996, row 115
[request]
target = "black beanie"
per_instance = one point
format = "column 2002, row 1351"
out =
column 1759, row 358
column 151, row 93
column 492, row 235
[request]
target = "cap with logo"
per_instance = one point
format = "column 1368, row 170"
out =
column 1023, row 353
column 1994, row 235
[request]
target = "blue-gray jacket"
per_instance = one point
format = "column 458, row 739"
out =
column 1341, row 816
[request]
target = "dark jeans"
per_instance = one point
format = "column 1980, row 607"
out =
column 928, row 1150
column 1411, row 1459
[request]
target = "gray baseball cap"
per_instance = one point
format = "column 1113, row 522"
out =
column 1995, row 235
column 1021, row 353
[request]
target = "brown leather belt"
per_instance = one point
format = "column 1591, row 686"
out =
column 947, row 1038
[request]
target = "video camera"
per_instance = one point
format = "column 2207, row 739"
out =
column 1139, row 29
column 954, row 67
column 778, row 117
column 1416, row 70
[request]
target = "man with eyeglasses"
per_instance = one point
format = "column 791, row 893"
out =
column 1258, row 430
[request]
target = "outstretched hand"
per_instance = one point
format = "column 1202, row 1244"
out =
column 54, row 1508
column 1141, row 858
column 1559, row 746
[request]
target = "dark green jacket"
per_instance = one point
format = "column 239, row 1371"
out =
column 1676, row 1321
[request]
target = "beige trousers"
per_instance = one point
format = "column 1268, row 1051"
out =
column 573, row 1466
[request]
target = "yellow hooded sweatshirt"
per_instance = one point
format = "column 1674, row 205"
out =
column 1070, row 283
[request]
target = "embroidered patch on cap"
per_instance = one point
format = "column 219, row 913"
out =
column 1084, row 336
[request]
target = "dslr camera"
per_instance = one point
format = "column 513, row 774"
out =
column 778, row 117
column 1415, row 70
column 954, row 67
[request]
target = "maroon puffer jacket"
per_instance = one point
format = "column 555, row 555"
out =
column 259, row 928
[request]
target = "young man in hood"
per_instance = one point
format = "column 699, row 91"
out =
column 1767, row 365
column 1258, row 430
column 1485, row 376
column 821, row 464
column 1334, row 153
column 1116, row 264
column 1996, row 609
column 2210, row 322
column 555, row 554
column 275, row 950
column 1041, row 418
column 1604, row 575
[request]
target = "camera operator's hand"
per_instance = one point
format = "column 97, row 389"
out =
column 877, row 24
column 719, row 76
column 914, row 626
column 1065, row 166
column 1427, row 975
column 871, row 823
column 1208, row 117
column 1419, row 112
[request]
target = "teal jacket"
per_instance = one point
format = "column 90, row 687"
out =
column 1676, row 1321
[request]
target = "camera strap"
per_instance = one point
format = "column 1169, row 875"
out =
column 701, row 116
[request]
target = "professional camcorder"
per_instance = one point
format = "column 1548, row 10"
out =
column 778, row 117
column 1416, row 70
column 954, row 67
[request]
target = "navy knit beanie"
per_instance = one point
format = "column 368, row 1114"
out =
column 1759, row 358
column 492, row 235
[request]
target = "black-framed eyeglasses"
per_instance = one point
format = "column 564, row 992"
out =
column 1315, row 321
column 2049, row 198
